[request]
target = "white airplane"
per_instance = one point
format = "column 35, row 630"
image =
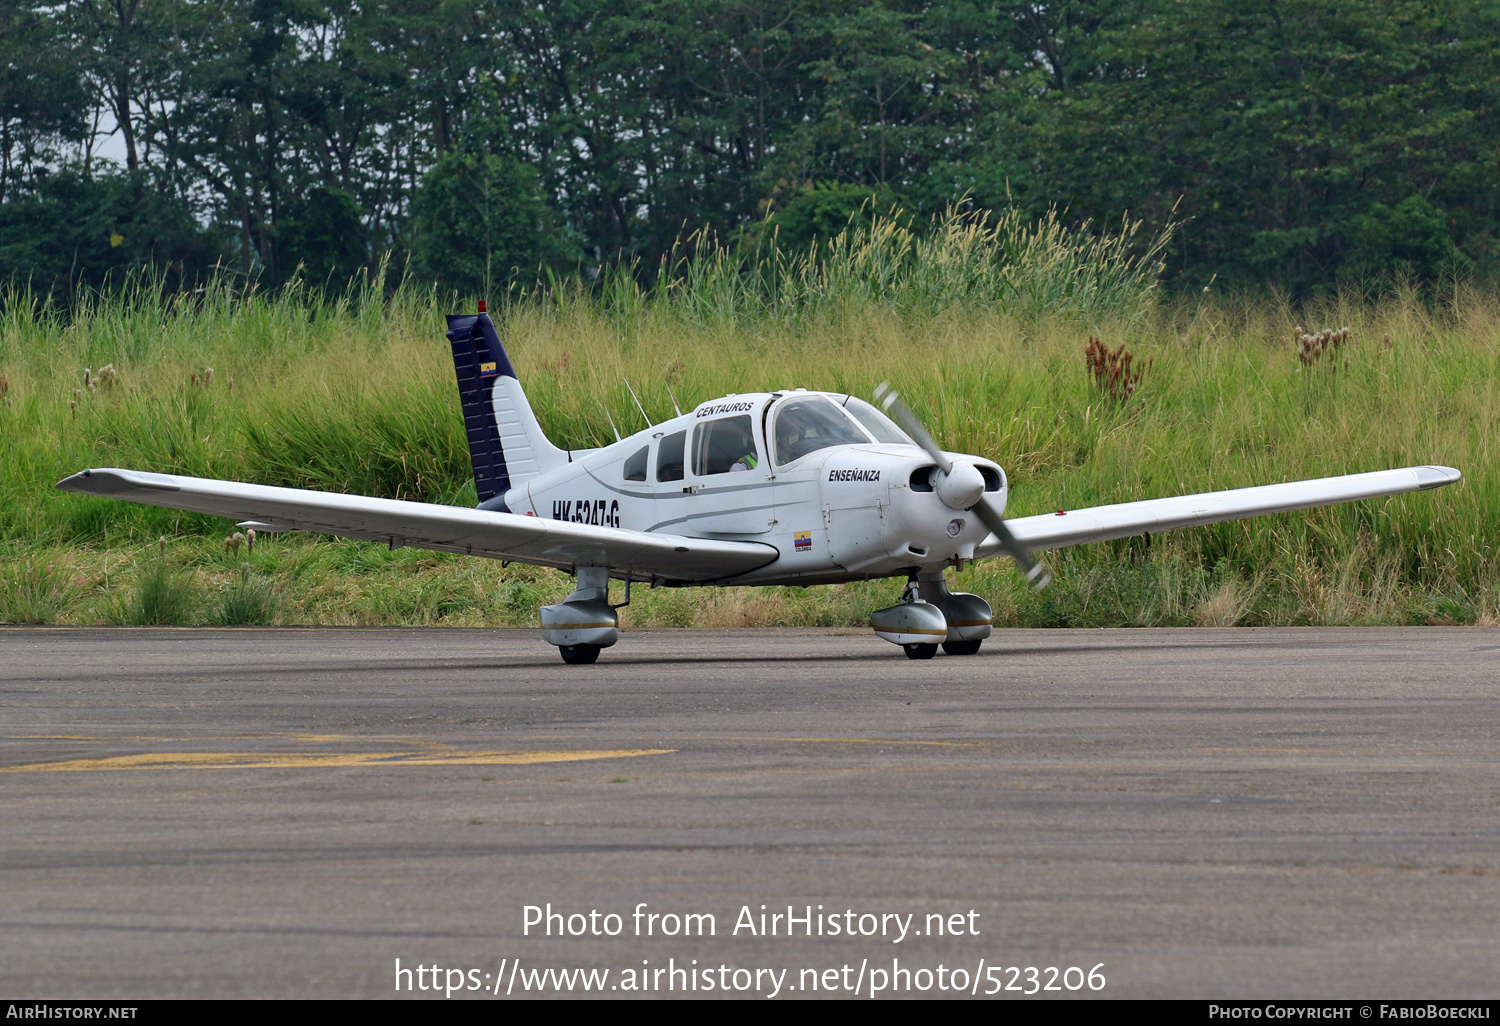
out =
column 793, row 487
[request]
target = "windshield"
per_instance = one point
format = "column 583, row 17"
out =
column 881, row 427
column 809, row 423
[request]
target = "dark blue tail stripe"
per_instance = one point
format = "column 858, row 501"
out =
column 476, row 343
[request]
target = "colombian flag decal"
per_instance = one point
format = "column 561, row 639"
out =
column 487, row 369
column 802, row 540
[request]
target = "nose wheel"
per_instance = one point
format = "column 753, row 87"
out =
column 579, row 654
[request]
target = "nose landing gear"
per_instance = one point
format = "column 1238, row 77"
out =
column 929, row 614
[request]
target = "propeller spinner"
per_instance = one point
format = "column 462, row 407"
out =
column 960, row 486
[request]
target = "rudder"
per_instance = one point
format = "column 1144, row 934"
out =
column 506, row 444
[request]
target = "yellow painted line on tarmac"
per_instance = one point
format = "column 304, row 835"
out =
column 304, row 760
column 856, row 741
column 54, row 737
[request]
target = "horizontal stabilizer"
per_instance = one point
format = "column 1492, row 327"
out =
column 524, row 539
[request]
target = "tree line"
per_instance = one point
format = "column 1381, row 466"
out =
column 1303, row 143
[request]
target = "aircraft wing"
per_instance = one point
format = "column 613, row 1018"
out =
column 1103, row 523
column 555, row 543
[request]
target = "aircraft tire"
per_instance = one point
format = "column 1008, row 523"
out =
column 920, row 651
column 579, row 654
column 961, row 647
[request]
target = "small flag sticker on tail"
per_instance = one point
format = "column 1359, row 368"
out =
column 488, row 370
column 802, row 540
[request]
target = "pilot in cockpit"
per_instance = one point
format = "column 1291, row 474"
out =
column 747, row 459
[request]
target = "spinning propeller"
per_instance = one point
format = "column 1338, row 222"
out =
column 960, row 486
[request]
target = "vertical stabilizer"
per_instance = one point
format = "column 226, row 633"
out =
column 506, row 443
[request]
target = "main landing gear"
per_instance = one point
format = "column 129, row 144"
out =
column 583, row 623
column 929, row 614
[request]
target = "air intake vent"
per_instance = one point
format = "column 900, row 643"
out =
column 921, row 479
column 992, row 478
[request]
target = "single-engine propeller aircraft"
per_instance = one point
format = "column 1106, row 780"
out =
column 791, row 487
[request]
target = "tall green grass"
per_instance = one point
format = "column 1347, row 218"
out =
column 962, row 260
column 982, row 325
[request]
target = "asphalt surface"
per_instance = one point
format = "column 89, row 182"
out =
column 1240, row 813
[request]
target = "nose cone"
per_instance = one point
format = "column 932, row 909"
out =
column 961, row 487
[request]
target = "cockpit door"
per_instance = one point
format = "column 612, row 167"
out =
column 729, row 478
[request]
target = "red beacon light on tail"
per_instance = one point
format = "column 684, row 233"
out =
column 481, row 306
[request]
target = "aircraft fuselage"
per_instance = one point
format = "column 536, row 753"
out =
column 847, row 509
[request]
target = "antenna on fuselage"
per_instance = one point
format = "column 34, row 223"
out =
column 673, row 398
column 612, row 424
column 637, row 401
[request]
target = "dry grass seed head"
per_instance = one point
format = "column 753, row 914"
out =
column 1312, row 346
column 1112, row 369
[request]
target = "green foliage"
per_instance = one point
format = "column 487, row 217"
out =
column 961, row 260
column 403, row 444
column 250, row 600
column 76, row 232
column 885, row 109
column 1409, row 240
column 330, row 134
column 160, row 596
column 1273, row 128
column 424, row 600
column 322, row 233
column 33, row 594
column 479, row 223
column 43, row 101
column 818, row 214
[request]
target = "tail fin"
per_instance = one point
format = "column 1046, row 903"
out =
column 505, row 441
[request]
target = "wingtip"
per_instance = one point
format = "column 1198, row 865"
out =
column 73, row 482
column 1436, row 477
column 109, row 481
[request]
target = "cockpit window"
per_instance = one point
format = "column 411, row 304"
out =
column 635, row 466
column 724, row 445
column 809, row 423
column 669, row 456
column 881, row 427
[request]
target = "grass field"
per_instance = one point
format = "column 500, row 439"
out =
column 357, row 395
